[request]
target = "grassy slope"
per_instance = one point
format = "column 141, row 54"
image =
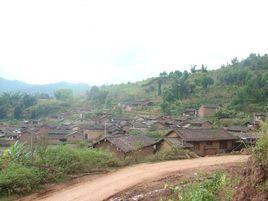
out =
column 147, row 89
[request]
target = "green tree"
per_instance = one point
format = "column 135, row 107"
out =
column 96, row 96
column 18, row 112
column 63, row 94
column 206, row 81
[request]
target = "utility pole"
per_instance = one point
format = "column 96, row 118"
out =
column 105, row 132
column 32, row 147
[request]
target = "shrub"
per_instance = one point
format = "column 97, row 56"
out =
column 204, row 188
column 173, row 154
column 135, row 132
column 69, row 160
column 21, row 175
column 18, row 179
column 153, row 134
column 261, row 148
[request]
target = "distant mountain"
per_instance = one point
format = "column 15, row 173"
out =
column 14, row 85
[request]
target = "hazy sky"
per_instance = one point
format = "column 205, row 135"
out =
column 113, row 41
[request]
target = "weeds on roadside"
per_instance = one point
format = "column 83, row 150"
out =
column 173, row 154
column 22, row 170
column 203, row 188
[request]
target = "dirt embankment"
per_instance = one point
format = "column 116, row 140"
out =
column 254, row 185
column 104, row 186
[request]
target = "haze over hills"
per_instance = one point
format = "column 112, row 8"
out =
column 15, row 85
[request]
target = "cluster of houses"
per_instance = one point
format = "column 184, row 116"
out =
column 190, row 131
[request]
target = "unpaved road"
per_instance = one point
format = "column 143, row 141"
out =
column 107, row 185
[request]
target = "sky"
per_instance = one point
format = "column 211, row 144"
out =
column 114, row 41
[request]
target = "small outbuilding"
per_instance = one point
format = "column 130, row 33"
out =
column 207, row 110
column 74, row 137
column 138, row 146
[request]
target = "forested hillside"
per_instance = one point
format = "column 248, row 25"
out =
column 240, row 86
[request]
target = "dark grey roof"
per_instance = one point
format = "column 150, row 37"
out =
column 238, row 128
column 92, row 126
column 127, row 143
column 204, row 134
column 198, row 121
column 59, row 132
column 245, row 135
column 176, row 142
column 73, row 133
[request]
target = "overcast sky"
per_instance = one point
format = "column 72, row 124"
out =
column 114, row 41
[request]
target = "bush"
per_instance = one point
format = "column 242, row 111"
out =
column 261, row 148
column 135, row 132
column 18, row 179
column 173, row 154
column 69, row 160
column 21, row 175
column 204, row 188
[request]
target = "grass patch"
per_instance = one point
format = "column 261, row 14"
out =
column 215, row 187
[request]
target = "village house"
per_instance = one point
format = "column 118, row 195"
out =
column 239, row 129
column 205, row 141
column 138, row 146
column 182, row 119
column 74, row 137
column 142, row 126
column 124, row 123
column 245, row 136
column 12, row 133
column 28, row 135
column 102, row 119
column 93, row 132
column 198, row 123
column 56, row 136
column 169, row 143
column 207, row 110
column 9, row 135
column 157, row 125
column 56, row 118
column 139, row 104
column 190, row 112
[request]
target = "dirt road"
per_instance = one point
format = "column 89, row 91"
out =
column 107, row 185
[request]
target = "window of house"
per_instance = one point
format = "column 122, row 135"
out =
column 223, row 145
column 209, row 143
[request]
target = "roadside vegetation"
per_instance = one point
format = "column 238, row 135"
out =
column 23, row 171
column 255, row 175
column 217, row 186
column 173, row 154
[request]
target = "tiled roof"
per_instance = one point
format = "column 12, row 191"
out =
column 204, row 134
column 127, row 143
column 177, row 142
column 238, row 128
column 245, row 135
